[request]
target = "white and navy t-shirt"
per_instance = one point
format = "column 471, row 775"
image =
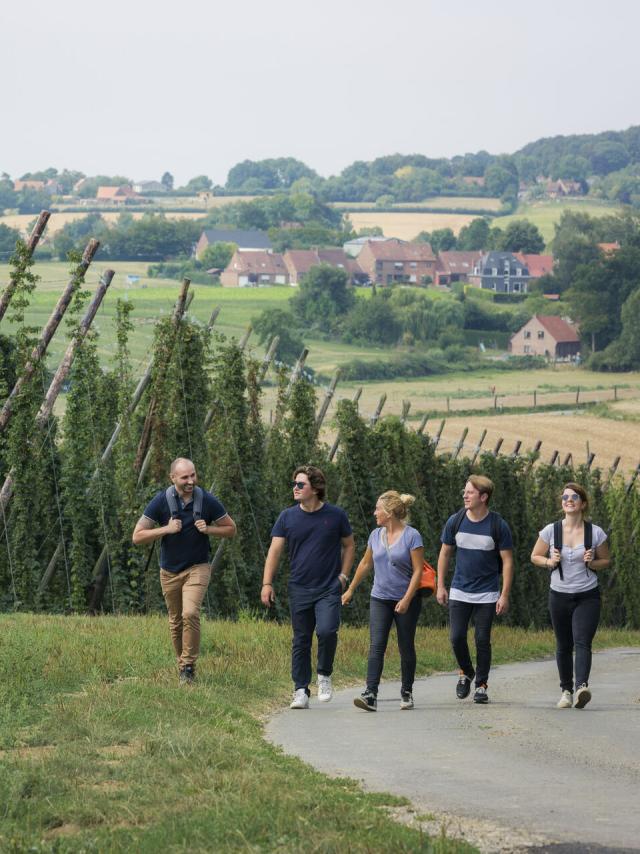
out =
column 477, row 574
column 576, row 578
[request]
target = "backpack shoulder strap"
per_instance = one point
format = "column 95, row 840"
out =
column 172, row 501
column 496, row 519
column 198, row 498
column 557, row 542
column 588, row 535
column 457, row 521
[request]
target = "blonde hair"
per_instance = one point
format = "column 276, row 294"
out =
column 482, row 484
column 396, row 504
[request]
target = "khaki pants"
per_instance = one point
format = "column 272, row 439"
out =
column 183, row 592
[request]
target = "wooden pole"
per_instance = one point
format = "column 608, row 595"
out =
column 554, row 457
column 460, row 444
column 268, row 358
column 376, row 415
column 568, row 460
column 436, row 438
column 334, row 447
column 476, row 450
column 633, row 479
column 590, row 460
column 497, row 447
column 56, row 316
column 327, row 401
column 516, row 450
column 406, row 406
column 33, row 241
column 423, row 424
column 613, row 469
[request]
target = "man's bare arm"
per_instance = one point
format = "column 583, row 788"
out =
column 145, row 532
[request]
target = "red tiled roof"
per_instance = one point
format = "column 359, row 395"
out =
column 457, row 262
column 609, row 248
column 558, row 328
column 261, row 262
column 538, row 265
column 397, row 250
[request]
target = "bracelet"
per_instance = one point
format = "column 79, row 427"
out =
column 345, row 577
column 267, row 584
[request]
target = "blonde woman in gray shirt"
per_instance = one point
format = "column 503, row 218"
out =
column 574, row 595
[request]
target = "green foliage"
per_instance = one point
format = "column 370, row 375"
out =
column 8, row 239
column 217, row 255
column 271, row 174
column 278, row 321
column 323, row 297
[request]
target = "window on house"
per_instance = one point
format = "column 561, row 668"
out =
column 541, row 334
column 494, row 271
column 518, row 271
column 398, row 265
column 413, row 264
column 527, row 333
column 527, row 348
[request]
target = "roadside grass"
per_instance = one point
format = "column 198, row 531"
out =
column 101, row 750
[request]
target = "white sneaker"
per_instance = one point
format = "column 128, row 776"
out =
column 300, row 699
column 566, row 701
column 583, row 695
column 325, row 689
column 406, row 700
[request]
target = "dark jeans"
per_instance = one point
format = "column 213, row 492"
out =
column 381, row 618
column 319, row 610
column 460, row 614
column 575, row 618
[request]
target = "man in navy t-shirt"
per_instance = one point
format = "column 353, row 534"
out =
column 483, row 544
column 321, row 550
column 184, row 555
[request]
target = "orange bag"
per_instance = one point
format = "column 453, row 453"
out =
column 427, row 585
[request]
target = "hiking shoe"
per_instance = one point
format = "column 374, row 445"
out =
column 565, row 701
column 481, row 695
column 325, row 688
column 463, row 688
column 300, row 699
column 583, row 695
column 187, row 674
column 406, row 700
column 367, row 701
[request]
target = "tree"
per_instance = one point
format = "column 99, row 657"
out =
column 270, row 174
column 217, row 255
column 475, row 235
column 7, row 194
column 277, row 321
column 167, row 181
column 8, row 238
column 521, row 236
column 608, row 156
column 441, row 240
column 199, row 184
column 500, row 181
column 373, row 320
column 323, row 298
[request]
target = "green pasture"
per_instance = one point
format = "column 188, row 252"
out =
column 545, row 214
column 102, row 751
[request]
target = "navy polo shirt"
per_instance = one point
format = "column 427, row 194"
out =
column 188, row 547
column 314, row 543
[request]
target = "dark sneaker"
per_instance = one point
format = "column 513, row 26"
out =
column 463, row 688
column 187, row 674
column 406, row 700
column 583, row 695
column 367, row 701
column 481, row 695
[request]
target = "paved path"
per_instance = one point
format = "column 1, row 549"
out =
column 524, row 771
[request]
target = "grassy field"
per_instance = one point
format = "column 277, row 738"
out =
column 101, row 750
column 406, row 226
column 546, row 214
column 462, row 202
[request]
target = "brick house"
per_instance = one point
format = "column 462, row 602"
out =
column 501, row 272
column 250, row 239
column 538, row 265
column 545, row 335
column 455, row 266
column 117, row 195
column 387, row 262
column 250, row 268
column 299, row 261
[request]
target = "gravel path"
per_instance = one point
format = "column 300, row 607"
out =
column 514, row 774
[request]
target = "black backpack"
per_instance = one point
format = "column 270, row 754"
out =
column 494, row 518
column 172, row 501
column 557, row 540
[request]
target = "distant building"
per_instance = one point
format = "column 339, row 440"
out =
column 117, row 195
column 546, row 335
column 243, row 239
column 538, row 265
column 143, row 187
column 392, row 261
column 455, row 266
column 299, row 261
column 501, row 272
column 254, row 268
column 355, row 246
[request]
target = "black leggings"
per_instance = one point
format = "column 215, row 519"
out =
column 381, row 617
column 575, row 618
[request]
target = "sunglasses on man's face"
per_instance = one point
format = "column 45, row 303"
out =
column 298, row 484
column 570, row 496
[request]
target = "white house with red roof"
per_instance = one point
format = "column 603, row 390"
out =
column 546, row 335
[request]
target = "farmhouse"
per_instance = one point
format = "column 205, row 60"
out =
column 455, row 266
column 389, row 261
column 243, row 239
column 117, row 195
column 546, row 335
column 501, row 272
column 299, row 261
column 253, row 268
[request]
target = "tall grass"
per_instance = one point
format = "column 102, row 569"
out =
column 101, row 750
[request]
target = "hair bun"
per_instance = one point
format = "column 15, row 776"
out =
column 407, row 499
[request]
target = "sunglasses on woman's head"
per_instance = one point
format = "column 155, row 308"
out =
column 298, row 484
column 570, row 496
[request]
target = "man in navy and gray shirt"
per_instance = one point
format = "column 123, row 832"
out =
column 321, row 551
column 187, row 516
column 484, row 548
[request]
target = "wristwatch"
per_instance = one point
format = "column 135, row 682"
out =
column 345, row 578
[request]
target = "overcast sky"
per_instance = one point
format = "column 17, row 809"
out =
column 194, row 86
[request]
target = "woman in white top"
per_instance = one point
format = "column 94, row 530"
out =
column 396, row 554
column 574, row 595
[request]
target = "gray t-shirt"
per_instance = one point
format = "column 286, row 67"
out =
column 576, row 577
column 393, row 568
